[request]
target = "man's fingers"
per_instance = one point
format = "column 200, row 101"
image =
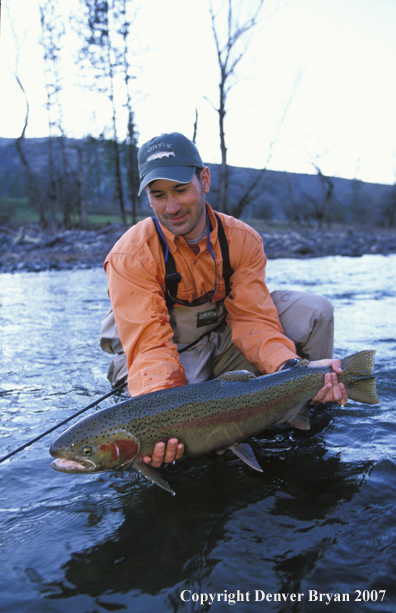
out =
column 322, row 394
column 336, row 366
column 344, row 394
column 168, row 453
column 179, row 451
column 174, row 450
column 158, row 455
column 332, row 391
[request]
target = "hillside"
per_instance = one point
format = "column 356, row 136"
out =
column 297, row 198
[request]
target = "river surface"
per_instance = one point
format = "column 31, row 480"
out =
column 319, row 520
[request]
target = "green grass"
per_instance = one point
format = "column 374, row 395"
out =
column 98, row 220
column 16, row 211
column 102, row 220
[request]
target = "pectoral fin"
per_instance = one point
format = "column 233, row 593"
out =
column 148, row 471
column 246, row 454
column 301, row 419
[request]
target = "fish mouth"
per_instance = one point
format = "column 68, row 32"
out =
column 72, row 466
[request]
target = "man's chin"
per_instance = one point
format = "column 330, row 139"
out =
column 179, row 227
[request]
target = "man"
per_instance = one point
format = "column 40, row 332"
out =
column 188, row 293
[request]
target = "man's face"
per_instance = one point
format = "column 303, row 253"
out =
column 180, row 207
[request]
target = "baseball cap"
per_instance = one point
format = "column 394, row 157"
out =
column 169, row 156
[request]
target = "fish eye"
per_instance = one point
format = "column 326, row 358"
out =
column 87, row 450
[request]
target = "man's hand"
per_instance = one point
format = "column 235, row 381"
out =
column 169, row 453
column 333, row 390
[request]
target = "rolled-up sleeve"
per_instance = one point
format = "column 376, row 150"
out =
column 142, row 321
column 252, row 316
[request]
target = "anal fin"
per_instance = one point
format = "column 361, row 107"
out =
column 301, row 419
column 246, row 454
column 149, row 473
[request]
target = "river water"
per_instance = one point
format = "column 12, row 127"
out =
column 319, row 520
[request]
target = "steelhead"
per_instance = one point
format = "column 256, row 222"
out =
column 206, row 417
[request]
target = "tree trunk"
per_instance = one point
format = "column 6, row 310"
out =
column 118, row 178
column 81, row 191
column 131, row 165
column 52, row 189
column 223, row 188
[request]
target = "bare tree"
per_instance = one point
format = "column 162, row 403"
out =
column 34, row 195
column 124, row 22
column 388, row 210
column 195, row 132
column 229, row 55
column 61, row 181
column 105, row 28
column 81, row 189
column 291, row 206
column 321, row 202
column 250, row 192
column 97, row 30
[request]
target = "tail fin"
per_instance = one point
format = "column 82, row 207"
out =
column 363, row 390
column 358, row 379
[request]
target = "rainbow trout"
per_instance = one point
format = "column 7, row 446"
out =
column 206, row 417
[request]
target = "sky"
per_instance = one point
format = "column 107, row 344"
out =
column 316, row 86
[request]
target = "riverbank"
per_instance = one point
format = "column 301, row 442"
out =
column 30, row 250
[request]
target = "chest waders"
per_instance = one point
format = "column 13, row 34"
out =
column 200, row 330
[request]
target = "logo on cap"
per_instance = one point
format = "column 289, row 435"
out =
column 160, row 154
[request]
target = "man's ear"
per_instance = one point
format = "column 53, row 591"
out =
column 205, row 178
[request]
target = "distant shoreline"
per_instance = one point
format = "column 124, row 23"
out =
column 31, row 251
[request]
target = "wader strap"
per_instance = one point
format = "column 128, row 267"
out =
column 227, row 270
column 173, row 278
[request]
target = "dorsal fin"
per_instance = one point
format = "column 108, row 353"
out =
column 302, row 364
column 237, row 375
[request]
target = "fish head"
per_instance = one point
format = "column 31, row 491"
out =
column 99, row 452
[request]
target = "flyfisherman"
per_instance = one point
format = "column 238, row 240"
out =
column 188, row 293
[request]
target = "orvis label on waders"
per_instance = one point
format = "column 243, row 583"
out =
column 207, row 318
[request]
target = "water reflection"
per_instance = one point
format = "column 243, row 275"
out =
column 162, row 541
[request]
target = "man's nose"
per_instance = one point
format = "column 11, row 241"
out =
column 172, row 205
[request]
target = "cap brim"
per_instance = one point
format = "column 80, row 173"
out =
column 180, row 174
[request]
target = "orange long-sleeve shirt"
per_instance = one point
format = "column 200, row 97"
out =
column 136, row 282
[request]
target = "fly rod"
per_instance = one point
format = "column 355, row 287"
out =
column 62, row 423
